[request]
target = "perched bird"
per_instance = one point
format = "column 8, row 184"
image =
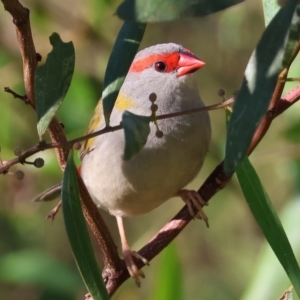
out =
column 166, row 164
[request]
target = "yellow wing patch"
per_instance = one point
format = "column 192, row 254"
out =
column 94, row 123
column 122, row 103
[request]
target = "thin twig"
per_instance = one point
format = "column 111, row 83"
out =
column 30, row 58
column 291, row 97
column 24, row 98
column 54, row 211
column 194, row 110
column 69, row 144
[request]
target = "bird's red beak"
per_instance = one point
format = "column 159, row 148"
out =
column 188, row 63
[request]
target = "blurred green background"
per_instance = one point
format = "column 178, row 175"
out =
column 228, row 261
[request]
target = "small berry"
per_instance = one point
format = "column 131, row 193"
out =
column 152, row 97
column 159, row 134
column 19, row 175
column 221, row 92
column 77, row 146
column 39, row 162
column 154, row 108
column 18, row 151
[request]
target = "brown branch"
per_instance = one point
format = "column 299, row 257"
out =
column 30, row 58
column 275, row 102
column 113, row 264
column 20, row 16
column 291, row 97
column 272, row 109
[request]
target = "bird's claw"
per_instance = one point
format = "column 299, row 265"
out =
column 194, row 200
column 132, row 268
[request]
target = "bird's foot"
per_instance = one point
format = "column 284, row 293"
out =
column 194, row 200
column 132, row 268
column 129, row 255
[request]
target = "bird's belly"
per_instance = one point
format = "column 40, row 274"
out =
column 155, row 174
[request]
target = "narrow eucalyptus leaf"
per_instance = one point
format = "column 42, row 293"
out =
column 271, row 8
column 169, row 10
column 78, row 234
column 261, row 76
column 124, row 50
column 268, row 221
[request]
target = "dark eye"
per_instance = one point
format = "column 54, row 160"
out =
column 160, row 66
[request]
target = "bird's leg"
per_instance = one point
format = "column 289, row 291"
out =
column 128, row 255
column 194, row 200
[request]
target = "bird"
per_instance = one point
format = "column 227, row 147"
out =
column 168, row 161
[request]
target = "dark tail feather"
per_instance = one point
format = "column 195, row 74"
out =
column 50, row 194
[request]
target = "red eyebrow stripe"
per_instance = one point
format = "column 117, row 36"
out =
column 171, row 59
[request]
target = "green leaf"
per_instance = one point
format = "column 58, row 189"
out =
column 52, row 81
column 168, row 10
column 293, row 39
column 78, row 234
column 169, row 280
column 271, row 8
column 267, row 219
column 269, row 279
column 261, row 75
column 122, row 55
column 136, row 130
